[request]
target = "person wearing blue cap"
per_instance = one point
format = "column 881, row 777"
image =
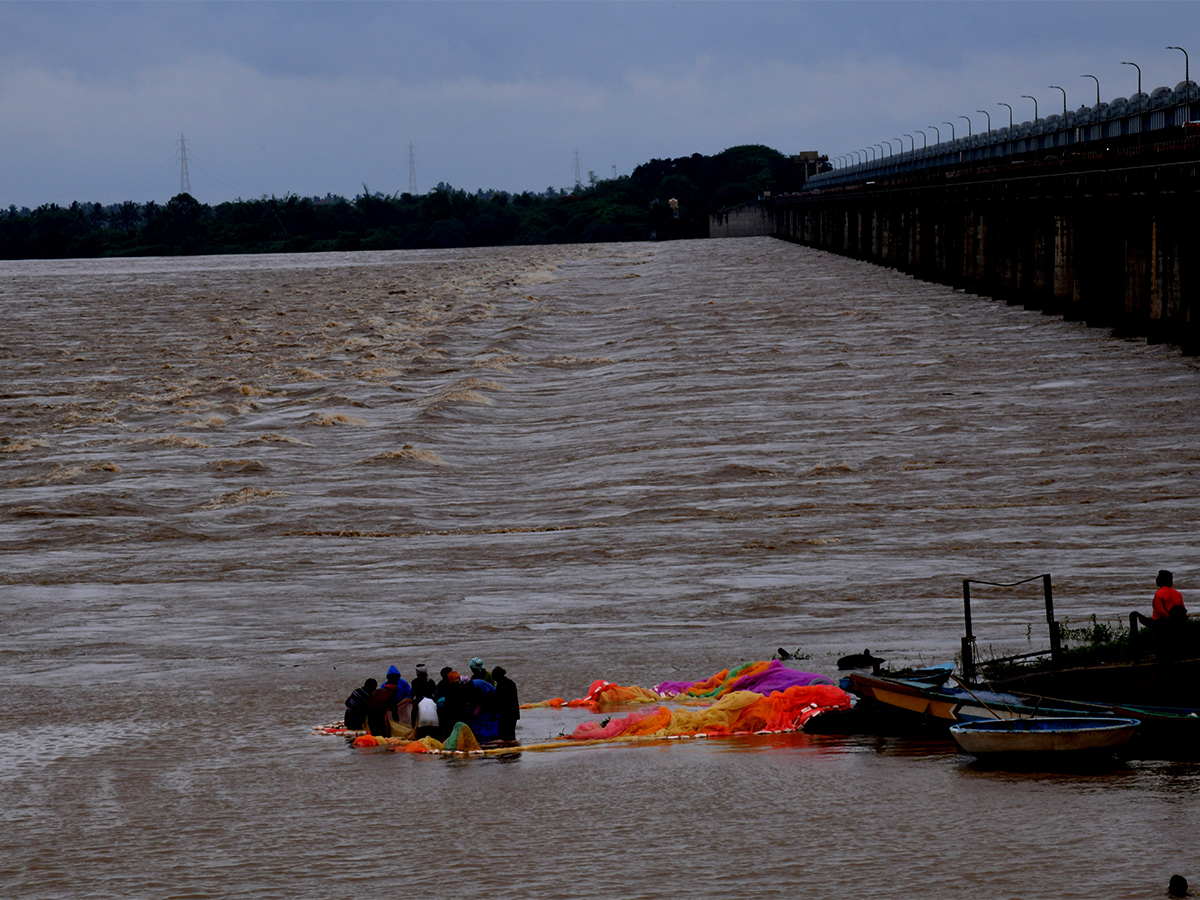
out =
column 403, row 691
column 384, row 703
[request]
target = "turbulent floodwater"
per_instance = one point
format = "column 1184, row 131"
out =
column 235, row 487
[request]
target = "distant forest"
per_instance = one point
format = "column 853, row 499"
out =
column 635, row 207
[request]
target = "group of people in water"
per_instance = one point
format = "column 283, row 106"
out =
column 486, row 701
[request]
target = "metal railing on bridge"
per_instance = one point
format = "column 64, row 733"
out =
column 1162, row 109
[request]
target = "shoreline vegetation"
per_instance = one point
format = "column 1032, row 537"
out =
column 629, row 208
column 1096, row 643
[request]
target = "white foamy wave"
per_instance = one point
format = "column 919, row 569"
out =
column 272, row 438
column 168, row 440
column 241, row 497
column 326, row 419
column 20, row 445
column 406, row 453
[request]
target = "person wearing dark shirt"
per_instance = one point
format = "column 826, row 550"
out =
column 481, row 700
column 508, row 708
column 422, row 685
column 356, row 705
column 452, row 700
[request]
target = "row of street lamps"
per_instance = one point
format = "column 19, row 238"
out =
column 925, row 140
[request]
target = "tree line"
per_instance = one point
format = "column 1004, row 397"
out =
column 634, row 207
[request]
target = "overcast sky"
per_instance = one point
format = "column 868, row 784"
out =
column 310, row 98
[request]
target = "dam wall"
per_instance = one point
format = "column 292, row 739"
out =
column 748, row 220
column 1110, row 236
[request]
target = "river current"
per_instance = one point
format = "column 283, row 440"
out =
column 233, row 488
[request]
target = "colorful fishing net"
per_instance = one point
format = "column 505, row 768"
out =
column 736, row 713
column 759, row 677
column 752, row 698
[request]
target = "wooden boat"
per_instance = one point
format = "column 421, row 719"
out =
column 1074, row 735
column 934, row 676
column 947, row 705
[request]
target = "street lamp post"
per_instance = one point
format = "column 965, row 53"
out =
column 912, row 141
column 1097, row 80
column 1034, row 99
column 1139, row 68
column 1064, row 90
column 968, row 118
column 880, row 146
column 952, row 135
column 1010, row 126
column 900, row 141
column 924, row 138
column 938, row 131
column 989, row 121
column 1186, row 76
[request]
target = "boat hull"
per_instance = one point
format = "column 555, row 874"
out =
column 949, row 705
column 1044, row 735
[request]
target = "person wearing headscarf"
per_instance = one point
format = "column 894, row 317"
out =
column 422, row 684
column 478, row 671
column 508, row 708
column 385, row 702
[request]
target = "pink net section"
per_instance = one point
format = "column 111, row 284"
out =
column 759, row 677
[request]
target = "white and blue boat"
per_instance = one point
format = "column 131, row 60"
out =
column 1048, row 735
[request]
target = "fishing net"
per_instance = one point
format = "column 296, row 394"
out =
column 462, row 739
column 759, row 677
column 736, row 713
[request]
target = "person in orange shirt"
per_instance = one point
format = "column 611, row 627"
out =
column 1166, row 598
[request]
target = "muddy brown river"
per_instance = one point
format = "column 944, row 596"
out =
column 232, row 488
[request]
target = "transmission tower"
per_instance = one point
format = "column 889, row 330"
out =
column 578, row 180
column 185, row 181
column 412, row 169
